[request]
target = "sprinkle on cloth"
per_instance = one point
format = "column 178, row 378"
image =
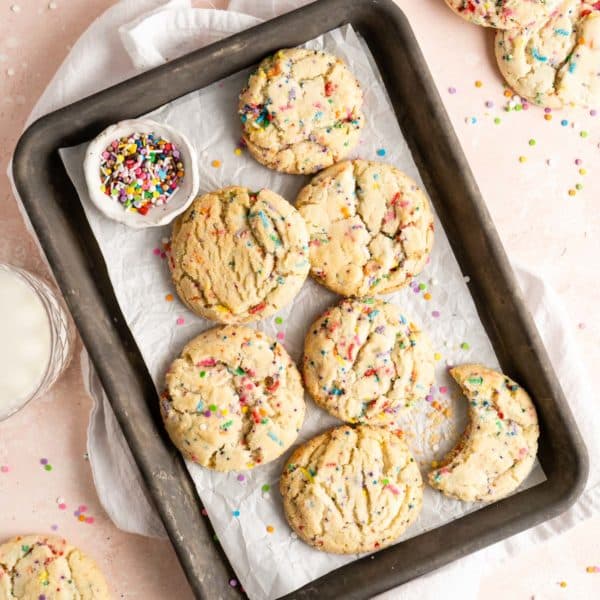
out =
column 141, row 171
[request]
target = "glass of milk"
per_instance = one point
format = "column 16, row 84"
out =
column 36, row 338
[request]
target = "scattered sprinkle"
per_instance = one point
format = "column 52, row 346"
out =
column 236, row 513
column 592, row 569
column 522, row 159
column 563, row 584
column 180, row 321
column 532, row 142
column 583, row 134
column 241, row 477
column 548, row 117
column 381, row 152
column 497, row 120
column 278, row 320
column 437, row 356
column 435, row 314
column 237, row 152
column 233, row 582
column 581, row 325
column 465, row 346
column 4, row 469
column 489, row 104
column 265, row 488
column 280, row 336
column 215, row 163
column 564, row 122
column 169, row 297
column 478, row 84
column 426, row 296
column 572, row 192
column 452, row 90
column 270, row 529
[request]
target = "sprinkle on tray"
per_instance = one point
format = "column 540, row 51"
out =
column 141, row 171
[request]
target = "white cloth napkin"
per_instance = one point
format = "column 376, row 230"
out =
column 153, row 32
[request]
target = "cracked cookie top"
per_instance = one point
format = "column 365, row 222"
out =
column 370, row 227
column 239, row 256
column 558, row 64
column 499, row 446
column 351, row 490
column 301, row 111
column 504, row 14
column 46, row 566
column 234, row 399
column 364, row 361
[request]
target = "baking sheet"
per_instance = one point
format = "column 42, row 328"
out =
column 270, row 564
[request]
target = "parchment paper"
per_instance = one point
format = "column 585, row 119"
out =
column 270, row 564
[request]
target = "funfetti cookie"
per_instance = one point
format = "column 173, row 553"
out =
column 499, row 446
column 558, row 64
column 351, row 490
column 505, row 14
column 370, row 227
column 365, row 361
column 301, row 111
column 233, row 400
column 239, row 256
column 37, row 567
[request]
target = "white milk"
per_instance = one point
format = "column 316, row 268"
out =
column 25, row 342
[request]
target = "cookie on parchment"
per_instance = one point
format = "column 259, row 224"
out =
column 559, row 64
column 301, row 111
column 233, row 400
column 370, row 227
column 33, row 567
column 239, row 256
column 504, row 14
column 351, row 490
column 364, row 361
column 498, row 448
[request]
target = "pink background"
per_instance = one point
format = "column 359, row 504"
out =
column 541, row 226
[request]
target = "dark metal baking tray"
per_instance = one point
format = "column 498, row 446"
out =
column 59, row 221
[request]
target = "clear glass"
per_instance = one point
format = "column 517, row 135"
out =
column 62, row 334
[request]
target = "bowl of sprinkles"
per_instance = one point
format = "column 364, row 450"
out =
column 141, row 173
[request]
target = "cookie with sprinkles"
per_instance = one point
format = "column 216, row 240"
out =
column 351, row 490
column 239, row 256
column 301, row 111
column 504, row 14
column 233, row 400
column 370, row 227
column 41, row 567
column 364, row 361
column 498, row 448
column 559, row 64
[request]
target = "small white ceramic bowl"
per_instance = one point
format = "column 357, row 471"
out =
column 157, row 215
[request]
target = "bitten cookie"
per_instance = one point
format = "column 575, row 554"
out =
column 351, row 490
column 505, row 14
column 36, row 567
column 499, row 446
column 239, row 256
column 301, row 111
column 364, row 361
column 234, row 399
column 370, row 227
column 559, row 64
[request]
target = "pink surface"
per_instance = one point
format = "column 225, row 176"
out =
column 540, row 224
